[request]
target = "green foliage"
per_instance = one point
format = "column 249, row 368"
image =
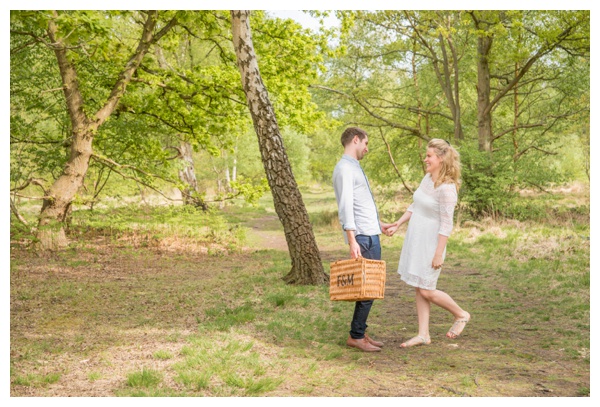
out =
column 288, row 60
column 224, row 318
column 251, row 192
column 325, row 151
column 324, row 218
column 93, row 376
column 36, row 380
column 144, row 378
column 390, row 76
column 485, row 184
column 151, row 224
column 297, row 147
column 187, row 90
column 162, row 355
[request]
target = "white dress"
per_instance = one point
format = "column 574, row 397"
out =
column 432, row 212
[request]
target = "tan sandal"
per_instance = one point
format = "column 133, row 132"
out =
column 419, row 341
column 454, row 331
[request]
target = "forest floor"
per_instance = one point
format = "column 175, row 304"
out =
column 115, row 317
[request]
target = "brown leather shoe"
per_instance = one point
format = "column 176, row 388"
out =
column 362, row 344
column 373, row 342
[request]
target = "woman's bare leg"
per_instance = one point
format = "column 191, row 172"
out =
column 423, row 311
column 443, row 300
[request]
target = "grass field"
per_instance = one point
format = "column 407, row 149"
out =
column 154, row 301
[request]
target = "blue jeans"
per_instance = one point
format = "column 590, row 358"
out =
column 370, row 248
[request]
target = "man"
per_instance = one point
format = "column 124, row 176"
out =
column 360, row 222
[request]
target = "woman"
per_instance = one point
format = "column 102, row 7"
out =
column 424, row 247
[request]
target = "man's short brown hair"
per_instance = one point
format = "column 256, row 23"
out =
column 350, row 132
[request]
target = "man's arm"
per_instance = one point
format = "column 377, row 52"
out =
column 354, row 247
column 343, row 183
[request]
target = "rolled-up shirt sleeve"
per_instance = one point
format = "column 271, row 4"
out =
column 343, row 184
column 447, row 200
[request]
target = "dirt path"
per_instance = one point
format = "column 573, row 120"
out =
column 267, row 233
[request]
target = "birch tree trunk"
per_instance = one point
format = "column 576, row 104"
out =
column 306, row 259
column 187, row 174
column 57, row 201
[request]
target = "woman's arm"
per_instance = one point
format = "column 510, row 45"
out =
column 438, row 258
column 447, row 200
column 405, row 218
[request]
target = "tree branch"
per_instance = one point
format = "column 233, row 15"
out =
column 73, row 96
column 416, row 132
column 389, row 150
column 127, row 73
column 540, row 53
column 14, row 210
column 538, row 186
column 521, row 153
column 137, row 180
column 412, row 109
column 520, row 126
column 32, row 181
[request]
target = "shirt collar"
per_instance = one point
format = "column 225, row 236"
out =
column 351, row 159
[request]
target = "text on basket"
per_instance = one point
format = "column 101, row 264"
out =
column 345, row 279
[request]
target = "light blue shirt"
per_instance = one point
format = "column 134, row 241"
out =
column 356, row 205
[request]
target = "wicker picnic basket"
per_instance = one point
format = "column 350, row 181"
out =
column 357, row 280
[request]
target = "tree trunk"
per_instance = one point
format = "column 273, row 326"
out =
column 187, row 174
column 227, row 179
column 484, row 115
column 450, row 87
column 234, row 169
column 450, row 71
column 306, row 260
column 458, row 130
column 51, row 233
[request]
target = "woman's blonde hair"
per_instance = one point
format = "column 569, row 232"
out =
column 450, row 171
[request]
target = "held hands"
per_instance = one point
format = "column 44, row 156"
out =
column 392, row 229
column 389, row 229
column 384, row 227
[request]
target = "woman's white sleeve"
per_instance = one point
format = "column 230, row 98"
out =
column 447, row 199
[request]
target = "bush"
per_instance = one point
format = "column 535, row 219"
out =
column 485, row 184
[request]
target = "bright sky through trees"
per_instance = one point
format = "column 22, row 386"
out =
column 305, row 19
